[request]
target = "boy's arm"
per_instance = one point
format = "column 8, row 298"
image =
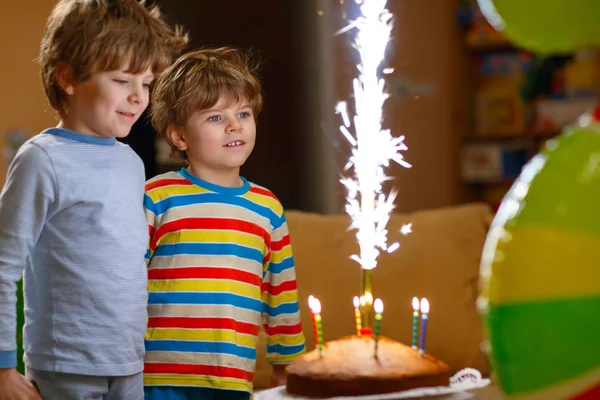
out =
column 25, row 204
column 281, row 314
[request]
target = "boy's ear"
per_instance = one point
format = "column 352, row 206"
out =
column 64, row 77
column 176, row 137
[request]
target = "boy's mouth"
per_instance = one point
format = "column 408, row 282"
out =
column 126, row 114
column 235, row 143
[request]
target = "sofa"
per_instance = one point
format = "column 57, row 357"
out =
column 439, row 260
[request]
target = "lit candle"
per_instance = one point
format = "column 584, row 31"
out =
column 311, row 302
column 366, row 304
column 424, row 317
column 378, row 317
column 317, row 311
column 415, row 327
column 357, row 314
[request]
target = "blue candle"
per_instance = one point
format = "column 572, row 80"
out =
column 424, row 318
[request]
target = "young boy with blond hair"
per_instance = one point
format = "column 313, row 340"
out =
column 71, row 218
column 220, row 260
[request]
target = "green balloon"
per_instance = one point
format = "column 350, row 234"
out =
column 546, row 26
column 539, row 273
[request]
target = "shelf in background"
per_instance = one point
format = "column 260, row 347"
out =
column 505, row 137
column 483, row 47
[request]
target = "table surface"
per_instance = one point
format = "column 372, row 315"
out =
column 491, row 392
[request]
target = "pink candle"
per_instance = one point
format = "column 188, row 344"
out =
column 311, row 303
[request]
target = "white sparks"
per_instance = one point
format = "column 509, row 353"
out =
column 372, row 148
column 393, row 247
column 406, row 229
column 342, row 108
column 348, row 135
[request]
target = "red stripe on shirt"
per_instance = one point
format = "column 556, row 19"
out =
column 210, row 224
column 196, row 369
column 263, row 192
column 283, row 329
column 277, row 245
column 287, row 286
column 167, row 182
column 204, row 273
column 203, row 323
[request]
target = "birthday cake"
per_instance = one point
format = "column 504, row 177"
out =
column 349, row 367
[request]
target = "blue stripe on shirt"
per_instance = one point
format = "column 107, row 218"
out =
column 217, row 249
column 285, row 350
column 205, row 299
column 149, row 204
column 216, row 198
column 286, row 308
column 201, row 347
column 279, row 267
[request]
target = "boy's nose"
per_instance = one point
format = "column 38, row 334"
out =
column 234, row 126
column 137, row 95
column 134, row 97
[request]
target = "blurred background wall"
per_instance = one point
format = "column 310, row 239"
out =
column 305, row 71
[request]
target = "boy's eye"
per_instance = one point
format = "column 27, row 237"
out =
column 215, row 118
column 244, row 114
column 147, row 85
column 121, row 81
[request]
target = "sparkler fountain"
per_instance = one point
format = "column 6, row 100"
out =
column 367, row 363
column 372, row 148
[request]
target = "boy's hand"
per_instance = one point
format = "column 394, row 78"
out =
column 277, row 376
column 14, row 386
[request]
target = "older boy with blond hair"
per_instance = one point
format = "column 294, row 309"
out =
column 220, row 260
column 71, row 219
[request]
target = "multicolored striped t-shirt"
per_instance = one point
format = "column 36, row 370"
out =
column 219, row 264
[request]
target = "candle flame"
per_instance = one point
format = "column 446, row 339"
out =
column 356, row 302
column 424, row 306
column 415, row 304
column 316, row 308
column 378, row 306
column 311, row 300
column 373, row 148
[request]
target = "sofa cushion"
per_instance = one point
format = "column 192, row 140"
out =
column 439, row 260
